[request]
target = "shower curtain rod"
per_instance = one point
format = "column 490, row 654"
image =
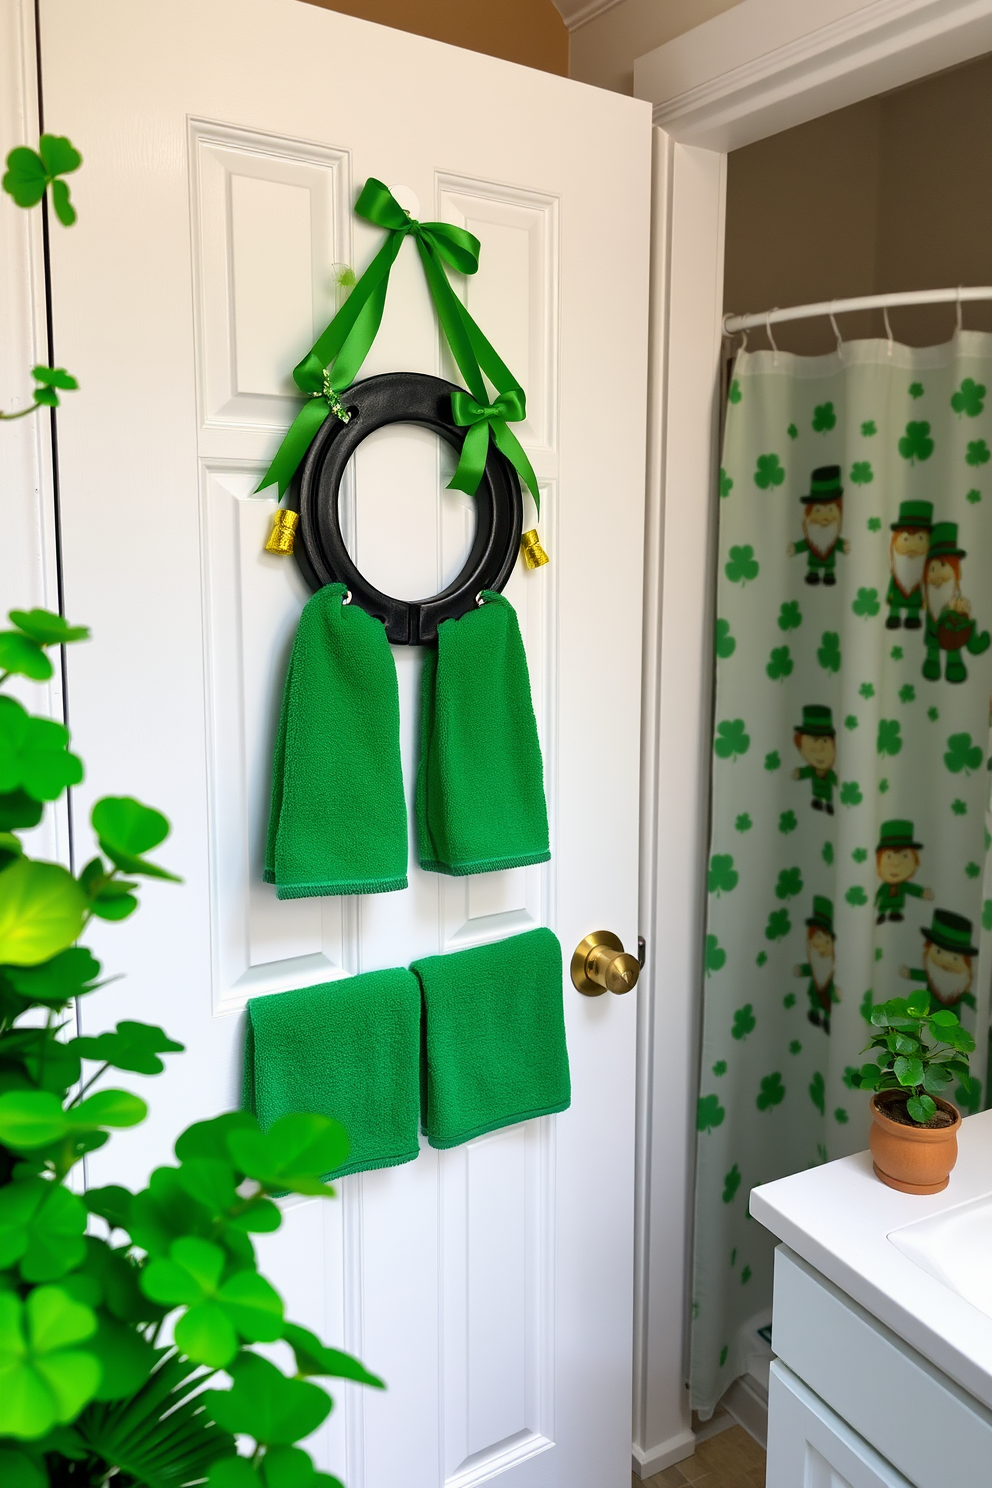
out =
column 733, row 323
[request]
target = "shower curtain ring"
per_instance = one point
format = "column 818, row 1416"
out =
column 840, row 339
column 960, row 325
column 888, row 327
column 768, row 330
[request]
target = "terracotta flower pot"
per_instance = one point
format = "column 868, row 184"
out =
column 913, row 1159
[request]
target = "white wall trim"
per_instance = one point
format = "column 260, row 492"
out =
column 576, row 13
column 766, row 65
column 718, row 87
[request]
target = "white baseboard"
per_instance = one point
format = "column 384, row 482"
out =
column 676, row 1449
column 747, row 1402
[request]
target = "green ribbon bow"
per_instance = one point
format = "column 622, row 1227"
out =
column 334, row 360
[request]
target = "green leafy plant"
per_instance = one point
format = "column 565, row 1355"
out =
column 917, row 1051
column 30, row 173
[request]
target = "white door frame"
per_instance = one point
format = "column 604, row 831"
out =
column 759, row 68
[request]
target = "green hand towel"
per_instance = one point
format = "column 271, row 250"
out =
column 337, row 824
column 348, row 1049
column 495, row 1037
column 480, row 783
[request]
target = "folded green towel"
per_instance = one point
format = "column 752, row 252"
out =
column 480, row 785
column 495, row 1037
column 338, row 819
column 348, row 1049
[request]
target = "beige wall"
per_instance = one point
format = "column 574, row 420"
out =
column 602, row 52
column 527, row 31
column 889, row 194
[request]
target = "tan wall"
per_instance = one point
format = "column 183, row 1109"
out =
column 527, row 31
column 602, row 51
column 888, row 194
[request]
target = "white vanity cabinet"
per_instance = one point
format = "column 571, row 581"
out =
column 851, row 1405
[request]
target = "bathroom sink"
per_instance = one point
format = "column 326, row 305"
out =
column 956, row 1248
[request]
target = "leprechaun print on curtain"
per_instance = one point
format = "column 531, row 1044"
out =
column 849, row 856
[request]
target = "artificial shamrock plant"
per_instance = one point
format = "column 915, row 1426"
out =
column 126, row 1319
column 917, row 1051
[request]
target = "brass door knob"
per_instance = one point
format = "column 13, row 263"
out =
column 600, row 964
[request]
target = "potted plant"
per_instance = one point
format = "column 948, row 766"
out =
column 914, row 1130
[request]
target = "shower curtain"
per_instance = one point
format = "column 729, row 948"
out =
column 849, row 857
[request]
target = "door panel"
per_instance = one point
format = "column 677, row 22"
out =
column 224, row 145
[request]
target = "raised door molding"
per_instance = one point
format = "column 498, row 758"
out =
column 575, row 13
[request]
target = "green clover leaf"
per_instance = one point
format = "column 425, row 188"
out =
column 969, row 398
column 851, row 1077
column 267, row 1406
column 868, row 428
column 724, row 642
column 916, row 443
column 41, row 1226
column 731, row 1183
column 959, row 807
column 933, row 714
column 126, row 830
column 47, row 628
column 978, row 452
column 47, row 1381
column 790, row 883
column 768, row 472
column 867, row 690
column 866, row 604
column 41, row 911
column 58, row 980
column 962, row 755
column 133, row 1046
column 761, row 958
column 726, row 483
column 907, row 693
column 772, row 1092
column 889, row 736
column 827, row 853
column 874, row 524
column 916, row 390
column 824, row 418
column 790, row 616
column 862, row 473
column 787, row 822
column 772, row 760
column 34, row 754
column 315, row 1358
column 795, row 1047
column 817, row 1092
column 709, row 1113
column 219, row 1312
column 716, row 956
column 731, row 740
column 883, row 786
column 850, row 793
column 792, row 431
column 851, row 721
column 742, row 566
column 746, row 1273
column 973, row 497
column 720, row 1068
column 734, row 393
column 973, row 870
column 30, row 172
column 723, row 875
column 778, row 925
column 856, row 895
column 293, row 1155
column 860, row 854
column 23, row 656
column 828, row 653
column 896, row 654
column 841, row 1116
column 50, row 380
column 743, row 823
column 780, row 664
column 744, row 1022
column 789, row 1000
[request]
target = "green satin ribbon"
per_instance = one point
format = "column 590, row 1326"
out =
column 335, row 359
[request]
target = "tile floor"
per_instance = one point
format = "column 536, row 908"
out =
column 732, row 1459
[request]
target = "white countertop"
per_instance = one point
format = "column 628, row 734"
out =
column 838, row 1218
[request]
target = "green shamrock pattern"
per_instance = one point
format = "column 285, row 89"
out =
column 827, row 728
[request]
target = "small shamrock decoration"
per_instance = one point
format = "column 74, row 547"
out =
column 959, row 807
column 772, row 760
column 933, row 714
column 824, row 418
column 742, row 566
column 795, row 1047
column 779, row 664
column 866, row 604
column 790, row 883
column 744, row 1022
column 874, row 524
column 856, row 895
column 827, row 853
column 916, row 443
column 726, row 483
column 896, row 654
column 790, row 616
column 916, row 390
column 787, row 823
column 724, row 642
column 746, row 1273
column 817, row 1092
column 907, row 692
column 716, row 956
column 723, row 875
column 734, row 393
column 973, row 870
column 973, row 497
column 709, row 1113
column 731, row 1183
column 720, row 1068
column 828, row 654
column 761, row 958
column 978, row 452
column 868, row 428
column 30, row 172
column 851, row 721
column 840, row 1115
column 883, row 786
column 889, row 736
column 792, row 431
column 743, row 823
column 962, row 754
column 866, row 1005
column 987, row 915
column 969, row 398
column 772, row 1093
column 769, row 472
column 789, row 1000
column 778, row 925
column 850, row 793
column 867, row 690
column 862, row 473
column 860, row 854
column 49, row 382
column 878, row 953
column 731, row 739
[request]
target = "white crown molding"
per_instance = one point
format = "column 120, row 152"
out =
column 766, row 65
column 576, row 13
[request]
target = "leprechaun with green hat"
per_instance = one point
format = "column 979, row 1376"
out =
column 948, row 959
column 949, row 624
column 897, row 858
column 907, row 558
column 816, row 740
column 822, row 516
column 820, row 948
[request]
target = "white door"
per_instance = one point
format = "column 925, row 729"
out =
column 224, row 142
